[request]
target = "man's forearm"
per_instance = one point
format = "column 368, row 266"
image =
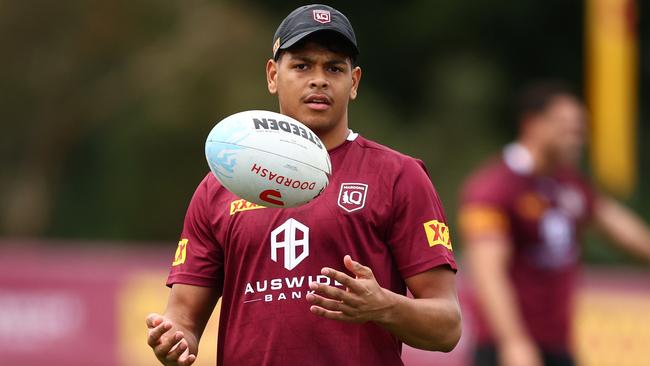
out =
column 431, row 324
column 189, row 309
column 632, row 236
column 639, row 247
column 625, row 228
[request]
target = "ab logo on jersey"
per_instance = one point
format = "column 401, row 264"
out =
column 437, row 233
column 352, row 196
column 289, row 248
column 181, row 252
column 293, row 238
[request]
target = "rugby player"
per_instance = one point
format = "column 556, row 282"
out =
column 522, row 216
column 324, row 283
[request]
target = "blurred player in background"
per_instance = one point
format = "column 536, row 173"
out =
column 325, row 283
column 521, row 219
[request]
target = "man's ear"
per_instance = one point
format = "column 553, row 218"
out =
column 271, row 76
column 356, row 78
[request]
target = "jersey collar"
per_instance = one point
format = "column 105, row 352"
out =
column 518, row 158
column 352, row 135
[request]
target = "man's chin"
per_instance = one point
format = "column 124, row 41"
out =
column 315, row 123
column 571, row 160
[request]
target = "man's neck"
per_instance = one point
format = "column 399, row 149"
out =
column 334, row 137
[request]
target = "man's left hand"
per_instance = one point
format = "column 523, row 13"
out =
column 363, row 299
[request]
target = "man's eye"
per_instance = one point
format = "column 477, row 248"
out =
column 335, row 69
column 300, row 66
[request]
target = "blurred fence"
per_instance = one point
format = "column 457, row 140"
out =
column 70, row 304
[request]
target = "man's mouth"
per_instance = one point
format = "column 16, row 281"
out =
column 319, row 102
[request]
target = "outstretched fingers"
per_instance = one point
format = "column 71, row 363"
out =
column 331, row 305
column 362, row 300
column 345, row 280
column 357, row 268
column 334, row 315
column 334, row 293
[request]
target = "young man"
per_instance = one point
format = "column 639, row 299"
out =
column 377, row 229
column 521, row 219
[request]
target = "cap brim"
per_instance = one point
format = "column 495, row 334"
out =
column 295, row 39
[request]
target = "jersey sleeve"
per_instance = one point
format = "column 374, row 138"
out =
column 484, row 206
column 419, row 235
column 199, row 257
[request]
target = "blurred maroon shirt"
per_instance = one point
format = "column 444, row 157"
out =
column 380, row 207
column 543, row 216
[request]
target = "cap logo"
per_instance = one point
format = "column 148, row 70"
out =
column 322, row 16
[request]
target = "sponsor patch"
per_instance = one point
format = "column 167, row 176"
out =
column 437, row 233
column 352, row 196
column 243, row 205
column 322, row 16
column 292, row 239
column 181, row 252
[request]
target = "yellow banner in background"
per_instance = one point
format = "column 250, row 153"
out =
column 612, row 92
column 612, row 328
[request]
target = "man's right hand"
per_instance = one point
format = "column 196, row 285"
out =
column 170, row 345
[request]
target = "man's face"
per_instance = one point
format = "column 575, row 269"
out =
column 314, row 86
column 565, row 129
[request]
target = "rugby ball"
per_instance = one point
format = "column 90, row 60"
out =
column 268, row 158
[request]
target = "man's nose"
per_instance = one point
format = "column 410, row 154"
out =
column 319, row 80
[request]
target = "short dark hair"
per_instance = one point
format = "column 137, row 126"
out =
column 331, row 40
column 536, row 97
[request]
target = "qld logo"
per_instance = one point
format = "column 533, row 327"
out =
column 322, row 16
column 352, row 196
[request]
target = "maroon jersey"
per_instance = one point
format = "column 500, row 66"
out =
column 379, row 207
column 543, row 217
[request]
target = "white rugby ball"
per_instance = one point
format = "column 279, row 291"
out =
column 268, row 158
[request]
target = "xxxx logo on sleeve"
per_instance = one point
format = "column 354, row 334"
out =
column 181, row 252
column 242, row 205
column 437, row 233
